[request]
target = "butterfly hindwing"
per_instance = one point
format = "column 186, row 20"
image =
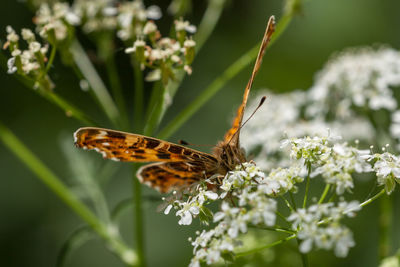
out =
column 168, row 176
column 121, row 146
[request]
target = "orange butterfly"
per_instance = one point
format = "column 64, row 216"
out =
column 177, row 166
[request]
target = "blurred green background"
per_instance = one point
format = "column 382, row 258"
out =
column 34, row 223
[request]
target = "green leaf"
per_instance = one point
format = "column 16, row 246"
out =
column 76, row 239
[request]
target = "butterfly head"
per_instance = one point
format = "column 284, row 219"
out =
column 229, row 155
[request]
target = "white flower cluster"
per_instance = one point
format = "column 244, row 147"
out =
column 193, row 206
column 54, row 22
column 387, row 168
column 319, row 226
column 164, row 54
column 335, row 162
column 252, row 190
column 127, row 18
column 30, row 62
column 363, row 76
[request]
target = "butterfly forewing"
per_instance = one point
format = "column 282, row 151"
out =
column 232, row 135
column 121, row 146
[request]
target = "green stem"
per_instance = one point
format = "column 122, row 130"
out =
column 254, row 250
column 116, row 88
column 51, row 59
column 277, row 229
column 368, row 201
column 220, row 81
column 58, row 188
column 208, row 22
column 324, row 194
column 293, row 202
column 365, row 203
column 138, row 219
column 100, row 91
column 280, row 215
column 287, row 203
column 307, row 185
column 155, row 112
column 138, row 96
column 385, row 227
column 69, row 109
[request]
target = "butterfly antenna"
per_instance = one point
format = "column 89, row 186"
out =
column 262, row 101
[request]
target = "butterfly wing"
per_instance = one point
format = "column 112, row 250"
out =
column 233, row 134
column 121, row 146
column 168, row 176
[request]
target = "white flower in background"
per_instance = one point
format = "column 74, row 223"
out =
column 393, row 261
column 29, row 60
column 96, row 15
column 281, row 116
column 319, row 227
column 52, row 21
column 365, row 76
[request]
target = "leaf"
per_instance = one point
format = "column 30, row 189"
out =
column 77, row 238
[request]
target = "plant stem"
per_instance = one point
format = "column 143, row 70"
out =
column 365, row 203
column 307, row 185
column 69, row 109
column 368, row 201
column 156, row 111
column 56, row 186
column 220, row 81
column 138, row 97
column 96, row 84
column 116, row 88
column 326, row 190
column 138, row 212
column 293, row 202
column 51, row 59
column 208, row 22
column 254, row 250
column 385, row 227
column 287, row 203
column 277, row 229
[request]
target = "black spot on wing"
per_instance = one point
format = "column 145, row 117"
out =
column 151, row 143
column 175, row 149
column 163, row 156
column 137, row 157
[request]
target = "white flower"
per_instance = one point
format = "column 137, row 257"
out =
column 27, row 35
column 149, row 27
column 154, row 12
column 11, row 35
column 319, row 226
column 387, row 168
column 188, row 209
column 11, row 65
column 184, row 25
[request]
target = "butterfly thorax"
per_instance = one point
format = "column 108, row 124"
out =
column 229, row 156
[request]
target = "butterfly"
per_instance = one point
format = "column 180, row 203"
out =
column 176, row 167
